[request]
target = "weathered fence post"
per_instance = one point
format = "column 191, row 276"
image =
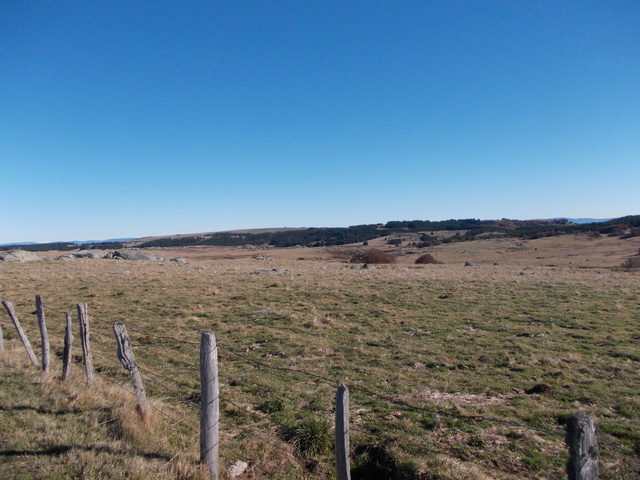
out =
column 68, row 343
column 210, row 396
column 1, row 341
column 83, row 320
column 343, row 470
column 44, row 336
column 23, row 337
column 128, row 360
column 583, row 448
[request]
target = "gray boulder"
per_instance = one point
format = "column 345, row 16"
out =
column 19, row 256
column 274, row 271
column 133, row 254
column 86, row 254
column 79, row 254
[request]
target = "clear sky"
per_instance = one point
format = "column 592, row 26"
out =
column 135, row 118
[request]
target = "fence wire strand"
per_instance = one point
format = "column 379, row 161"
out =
column 318, row 378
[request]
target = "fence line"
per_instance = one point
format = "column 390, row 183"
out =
column 333, row 383
column 82, row 314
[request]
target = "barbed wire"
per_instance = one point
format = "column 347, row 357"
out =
column 161, row 411
column 333, row 382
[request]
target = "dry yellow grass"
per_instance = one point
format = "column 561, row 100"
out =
column 466, row 340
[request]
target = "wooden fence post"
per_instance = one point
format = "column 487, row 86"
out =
column 68, row 343
column 210, row 396
column 21, row 334
column 343, row 470
column 44, row 336
column 583, row 448
column 128, row 360
column 1, row 341
column 83, row 320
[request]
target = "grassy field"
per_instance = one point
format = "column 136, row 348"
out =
column 454, row 372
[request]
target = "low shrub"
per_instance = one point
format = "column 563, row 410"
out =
column 631, row 263
column 373, row 256
column 426, row 259
column 312, row 435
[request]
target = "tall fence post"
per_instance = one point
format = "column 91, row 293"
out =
column 44, row 336
column 68, row 344
column 21, row 334
column 343, row 470
column 583, row 448
column 210, row 396
column 128, row 360
column 83, row 320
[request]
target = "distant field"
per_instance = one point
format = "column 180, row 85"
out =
column 454, row 371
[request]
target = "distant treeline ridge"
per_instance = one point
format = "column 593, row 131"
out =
column 468, row 229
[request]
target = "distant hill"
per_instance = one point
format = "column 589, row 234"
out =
column 423, row 230
column 422, row 234
column 583, row 221
column 111, row 240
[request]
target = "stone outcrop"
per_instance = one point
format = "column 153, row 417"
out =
column 79, row 254
column 133, row 254
column 19, row 256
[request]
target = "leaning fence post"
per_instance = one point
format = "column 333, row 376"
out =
column 128, row 360
column 210, row 411
column 583, row 448
column 21, row 334
column 44, row 336
column 343, row 471
column 68, row 344
column 83, row 320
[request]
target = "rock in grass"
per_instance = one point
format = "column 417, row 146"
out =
column 19, row 256
column 79, row 254
column 237, row 468
column 274, row 271
column 131, row 254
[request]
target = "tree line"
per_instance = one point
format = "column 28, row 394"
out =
column 466, row 230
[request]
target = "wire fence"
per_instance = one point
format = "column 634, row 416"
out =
column 185, row 391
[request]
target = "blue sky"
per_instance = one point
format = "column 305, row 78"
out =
column 127, row 119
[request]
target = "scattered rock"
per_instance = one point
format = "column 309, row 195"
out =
column 86, row 254
column 79, row 254
column 261, row 257
column 124, row 271
column 179, row 260
column 273, row 310
column 237, row 468
column 131, row 254
column 19, row 256
column 469, row 264
column 368, row 266
column 274, row 271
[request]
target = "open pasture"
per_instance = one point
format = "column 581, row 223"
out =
column 454, row 371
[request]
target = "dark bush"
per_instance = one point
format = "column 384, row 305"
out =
column 631, row 263
column 373, row 256
column 426, row 259
column 615, row 230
